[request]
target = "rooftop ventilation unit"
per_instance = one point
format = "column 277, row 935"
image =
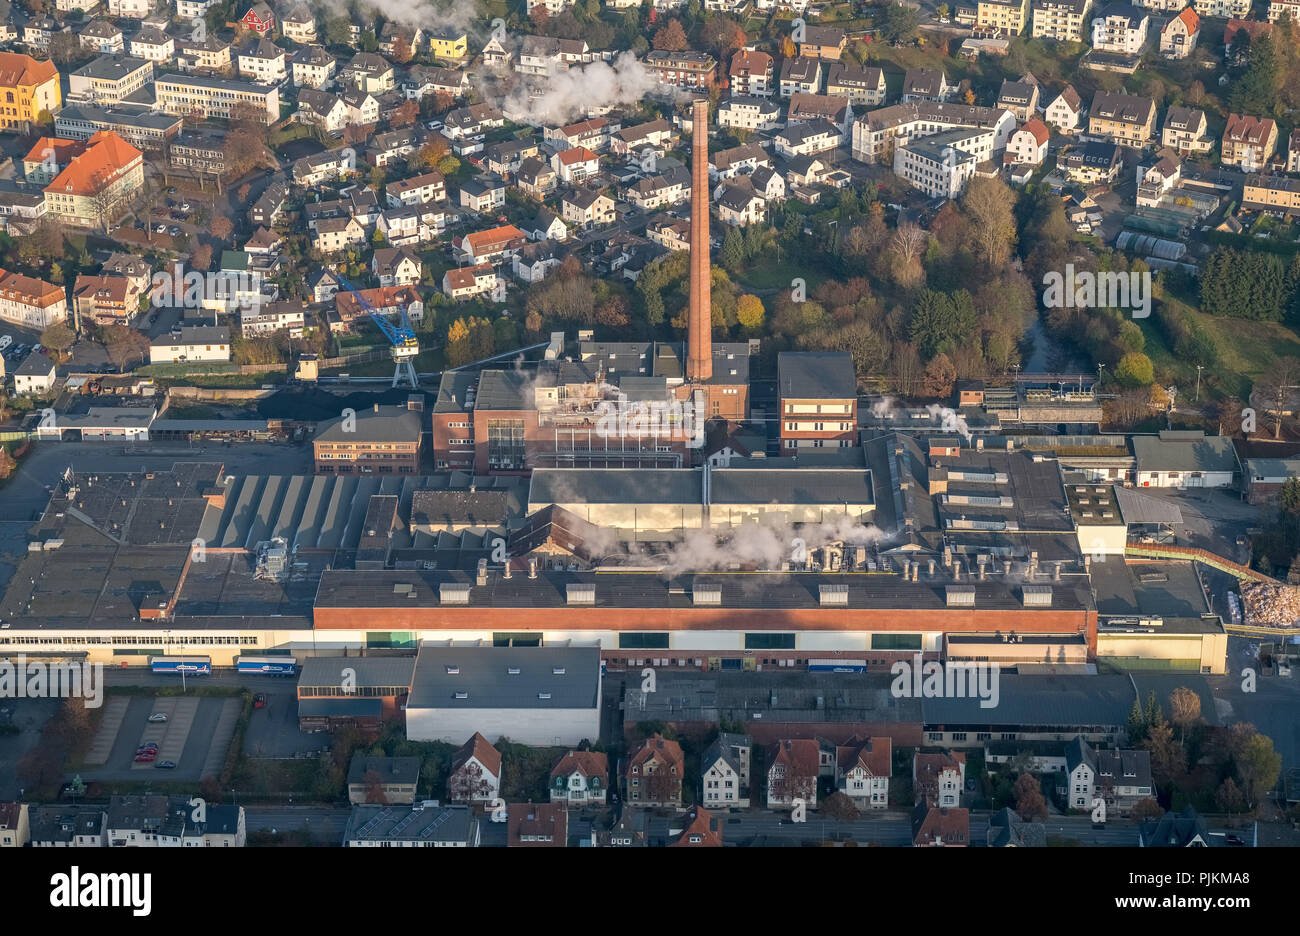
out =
column 581, row 594
column 707, row 594
column 960, row 596
column 834, row 595
column 453, row 593
column 1037, row 596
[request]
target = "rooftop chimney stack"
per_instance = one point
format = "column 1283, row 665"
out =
column 699, row 353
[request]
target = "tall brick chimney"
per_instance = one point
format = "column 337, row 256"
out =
column 699, row 355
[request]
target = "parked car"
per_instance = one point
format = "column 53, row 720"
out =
column 160, row 229
column 146, row 757
column 165, row 765
column 1235, row 840
column 174, row 231
column 158, row 717
column 259, row 700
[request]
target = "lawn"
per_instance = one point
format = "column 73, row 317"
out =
column 768, row 275
column 1246, row 350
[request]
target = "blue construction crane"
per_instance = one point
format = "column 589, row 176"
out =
column 405, row 345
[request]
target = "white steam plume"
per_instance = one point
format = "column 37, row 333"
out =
column 565, row 96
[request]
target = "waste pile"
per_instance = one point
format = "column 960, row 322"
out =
column 1271, row 605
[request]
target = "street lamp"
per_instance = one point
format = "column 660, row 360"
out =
column 1199, row 368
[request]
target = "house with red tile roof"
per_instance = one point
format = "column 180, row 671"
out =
column 475, row 775
column 537, row 825
column 940, row 827
column 938, row 779
column 1248, row 142
column 97, row 186
column 580, row 777
column 862, row 770
column 490, row 246
column 653, row 776
column 702, row 829
column 1178, row 36
column 793, row 768
column 575, row 165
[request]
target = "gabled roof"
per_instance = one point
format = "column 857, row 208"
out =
column 17, row 70
column 702, row 830
column 1189, row 19
column 668, row 753
column 1038, row 129
column 481, row 750
column 586, row 763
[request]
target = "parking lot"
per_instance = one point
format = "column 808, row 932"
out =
column 195, row 737
column 273, row 730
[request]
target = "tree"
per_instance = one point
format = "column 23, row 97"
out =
column 1229, row 797
column 221, row 227
column 1028, row 796
column 58, row 337
column 900, row 22
column 201, row 259
column 908, row 246
column 1134, row 370
column 1168, row 759
column 988, row 203
column 1258, row 767
column 404, row 114
column 1275, row 387
column 124, row 345
column 1184, row 709
column 750, row 311
column 733, row 250
column 838, row 806
column 671, row 37
column 939, row 377
column 1146, row 809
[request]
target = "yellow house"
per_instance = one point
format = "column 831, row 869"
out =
column 27, row 88
column 449, row 45
column 1009, row 16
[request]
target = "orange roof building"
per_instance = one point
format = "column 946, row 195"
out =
column 28, row 88
column 25, row 300
column 97, row 185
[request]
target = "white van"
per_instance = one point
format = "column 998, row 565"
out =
column 5, row 341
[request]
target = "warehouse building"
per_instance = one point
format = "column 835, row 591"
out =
column 531, row 695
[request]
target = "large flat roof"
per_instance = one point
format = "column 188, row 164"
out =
column 506, row 677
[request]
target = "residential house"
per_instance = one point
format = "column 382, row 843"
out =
column 593, row 133
column 484, row 193
column 1126, row 119
column 1178, row 36
column 657, row 136
column 335, row 235
column 533, row 261
column 363, row 107
column 537, row 825
column 580, row 778
column 102, row 36
column 153, row 45
column 1157, row 177
column 807, row 138
column 739, row 205
column 1002, row 18
column 427, row 187
column 942, row 164
column 654, row 772
column 1065, row 111
column 800, row 75
column 313, row 67
column 1120, row 778
column 395, row 266
column 793, row 768
column 575, row 165
column 31, row 302
column 536, row 178
column 382, row 780
column 1248, row 142
column 34, row 376
column 1028, row 145
column 938, row 779
column 700, row 829
column 688, row 69
column 475, row 775
column 1090, row 163
column 748, row 113
column 1020, row 97
column 1279, row 195
column 862, row 770
column 368, row 72
column 1120, row 29
column 195, row 343
column 298, row 24
column 322, row 109
column 940, row 827
column 925, row 84
column 823, row 42
column 262, row 61
column 1186, row 131
column 751, row 73
column 727, row 163
column 863, row 86
column 105, row 299
column 490, row 246
column 1061, row 20
column 546, row 225
column 587, row 209
column 724, row 771
column 1183, row 830
column 1007, row 830
column 30, row 89
column 258, row 19
column 807, row 107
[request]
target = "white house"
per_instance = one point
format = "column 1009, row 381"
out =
column 938, row 779
column 475, row 775
column 195, row 343
column 862, row 771
column 724, row 772
column 1028, row 145
column 1066, row 111
column 580, row 778
column 1120, row 28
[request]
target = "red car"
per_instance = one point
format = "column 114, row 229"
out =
column 259, row 700
column 146, row 757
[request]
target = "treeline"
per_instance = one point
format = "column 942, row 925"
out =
column 1187, row 338
column 1250, row 284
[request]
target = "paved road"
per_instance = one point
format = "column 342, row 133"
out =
column 325, row 825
